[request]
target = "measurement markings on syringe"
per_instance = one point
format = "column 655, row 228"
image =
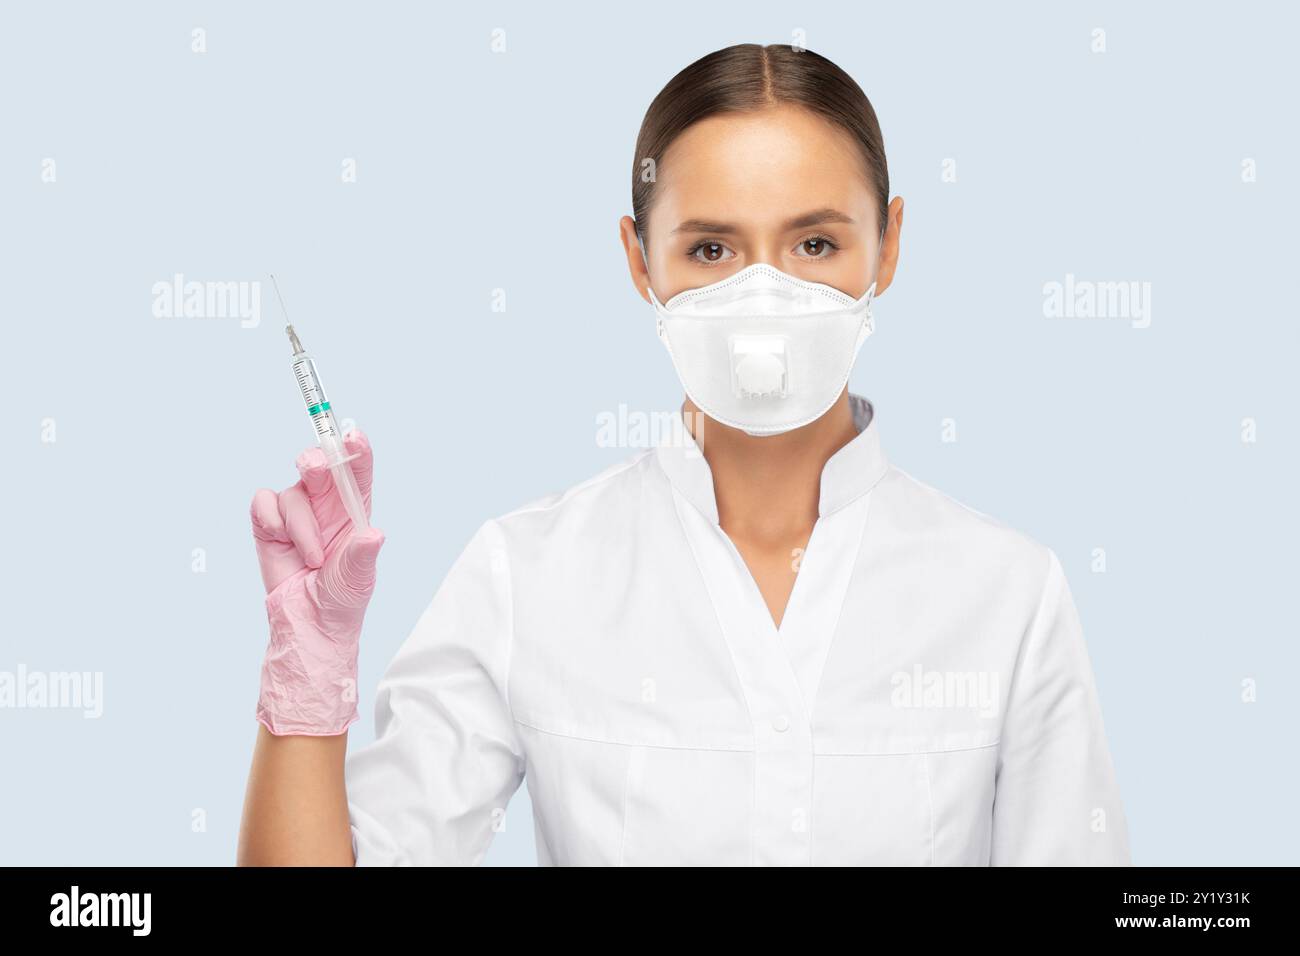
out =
column 313, row 393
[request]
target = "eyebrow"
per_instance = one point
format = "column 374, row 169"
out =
column 815, row 218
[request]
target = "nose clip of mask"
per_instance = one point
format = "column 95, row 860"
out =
column 759, row 366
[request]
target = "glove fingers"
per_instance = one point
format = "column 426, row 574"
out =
column 276, row 555
column 268, row 524
column 300, row 522
column 315, row 473
column 356, row 443
column 348, row 577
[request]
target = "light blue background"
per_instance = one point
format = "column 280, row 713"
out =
column 478, row 171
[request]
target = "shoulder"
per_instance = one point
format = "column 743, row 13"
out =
column 927, row 525
column 586, row 513
column 601, row 490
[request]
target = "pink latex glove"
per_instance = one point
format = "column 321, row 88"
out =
column 319, row 576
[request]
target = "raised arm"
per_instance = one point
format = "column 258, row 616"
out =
column 319, row 577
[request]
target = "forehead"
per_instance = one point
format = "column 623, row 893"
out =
column 759, row 168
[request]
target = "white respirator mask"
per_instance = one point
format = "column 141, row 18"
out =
column 761, row 350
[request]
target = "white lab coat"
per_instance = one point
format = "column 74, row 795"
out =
column 927, row 700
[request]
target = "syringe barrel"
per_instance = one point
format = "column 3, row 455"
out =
column 330, row 438
column 350, row 493
column 318, row 405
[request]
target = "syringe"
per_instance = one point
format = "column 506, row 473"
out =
column 327, row 429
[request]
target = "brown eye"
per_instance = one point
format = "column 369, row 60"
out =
column 709, row 253
column 816, row 247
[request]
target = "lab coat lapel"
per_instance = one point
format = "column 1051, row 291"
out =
column 781, row 669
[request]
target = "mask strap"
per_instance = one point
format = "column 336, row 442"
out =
column 880, row 250
column 868, row 322
column 654, row 299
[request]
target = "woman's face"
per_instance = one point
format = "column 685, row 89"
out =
column 780, row 186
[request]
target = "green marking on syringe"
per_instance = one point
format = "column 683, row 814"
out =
column 322, row 407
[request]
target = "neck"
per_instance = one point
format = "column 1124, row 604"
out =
column 770, row 487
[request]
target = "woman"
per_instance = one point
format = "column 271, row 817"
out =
column 762, row 644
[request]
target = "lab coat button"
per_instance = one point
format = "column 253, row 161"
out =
column 781, row 724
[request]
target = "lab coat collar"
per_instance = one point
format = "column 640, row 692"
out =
column 848, row 475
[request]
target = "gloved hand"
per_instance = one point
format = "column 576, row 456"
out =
column 319, row 576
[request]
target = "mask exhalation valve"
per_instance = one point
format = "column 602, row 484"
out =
column 758, row 366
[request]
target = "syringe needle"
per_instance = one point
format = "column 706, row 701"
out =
column 281, row 298
column 288, row 328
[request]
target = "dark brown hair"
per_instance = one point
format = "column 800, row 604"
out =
column 749, row 77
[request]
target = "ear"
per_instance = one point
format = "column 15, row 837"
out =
column 635, row 261
column 890, row 245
